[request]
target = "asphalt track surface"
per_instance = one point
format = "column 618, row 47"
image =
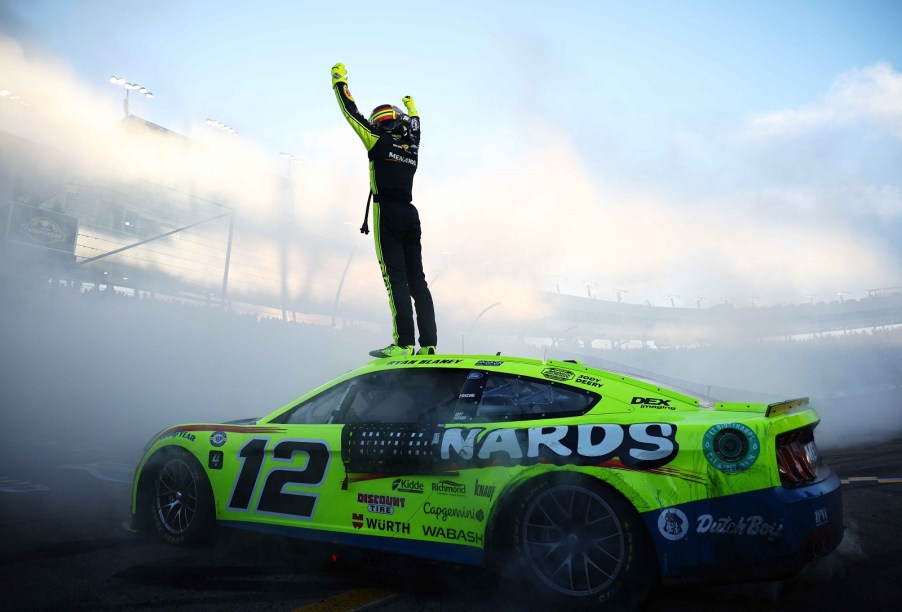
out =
column 63, row 546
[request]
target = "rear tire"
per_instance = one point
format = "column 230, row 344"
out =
column 179, row 499
column 577, row 543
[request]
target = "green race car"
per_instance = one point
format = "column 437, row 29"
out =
column 586, row 485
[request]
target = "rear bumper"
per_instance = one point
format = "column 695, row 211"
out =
column 761, row 535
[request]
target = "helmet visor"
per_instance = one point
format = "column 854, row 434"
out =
column 386, row 117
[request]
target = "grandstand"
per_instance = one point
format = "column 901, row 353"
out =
column 145, row 236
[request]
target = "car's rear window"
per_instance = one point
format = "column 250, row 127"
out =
column 493, row 396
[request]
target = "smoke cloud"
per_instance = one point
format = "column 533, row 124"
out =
column 529, row 210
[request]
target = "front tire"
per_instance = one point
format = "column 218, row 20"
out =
column 180, row 500
column 576, row 542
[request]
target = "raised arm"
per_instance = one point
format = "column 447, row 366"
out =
column 348, row 107
column 414, row 119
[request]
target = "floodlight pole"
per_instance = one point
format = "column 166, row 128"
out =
column 128, row 88
column 223, row 298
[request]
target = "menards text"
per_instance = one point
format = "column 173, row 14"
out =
column 641, row 445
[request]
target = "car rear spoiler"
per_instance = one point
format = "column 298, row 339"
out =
column 785, row 407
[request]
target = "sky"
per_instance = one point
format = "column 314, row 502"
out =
column 724, row 151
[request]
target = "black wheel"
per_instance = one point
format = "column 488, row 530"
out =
column 180, row 500
column 579, row 543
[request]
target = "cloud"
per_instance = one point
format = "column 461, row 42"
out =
column 869, row 95
column 67, row 115
column 508, row 207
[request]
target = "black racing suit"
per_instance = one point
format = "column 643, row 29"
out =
column 393, row 162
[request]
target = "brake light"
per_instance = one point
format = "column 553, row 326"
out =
column 797, row 457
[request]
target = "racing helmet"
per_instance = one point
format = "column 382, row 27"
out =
column 391, row 119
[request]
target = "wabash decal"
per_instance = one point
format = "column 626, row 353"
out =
column 639, row 446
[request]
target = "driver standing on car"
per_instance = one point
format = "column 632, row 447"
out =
column 392, row 141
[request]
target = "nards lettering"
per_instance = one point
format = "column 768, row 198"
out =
column 641, row 446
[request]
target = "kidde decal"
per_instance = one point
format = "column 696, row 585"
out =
column 642, row 445
column 403, row 485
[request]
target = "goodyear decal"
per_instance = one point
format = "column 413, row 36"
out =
column 185, row 431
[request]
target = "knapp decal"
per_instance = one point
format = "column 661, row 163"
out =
column 484, row 490
column 639, row 446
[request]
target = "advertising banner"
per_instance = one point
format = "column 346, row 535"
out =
column 42, row 228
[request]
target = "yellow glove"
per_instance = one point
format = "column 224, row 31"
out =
column 339, row 73
column 411, row 109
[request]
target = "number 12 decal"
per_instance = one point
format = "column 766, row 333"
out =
column 274, row 499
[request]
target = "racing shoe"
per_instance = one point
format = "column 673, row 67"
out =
column 393, row 350
column 426, row 350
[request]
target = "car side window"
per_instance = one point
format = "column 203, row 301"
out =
column 427, row 395
column 505, row 397
column 319, row 409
